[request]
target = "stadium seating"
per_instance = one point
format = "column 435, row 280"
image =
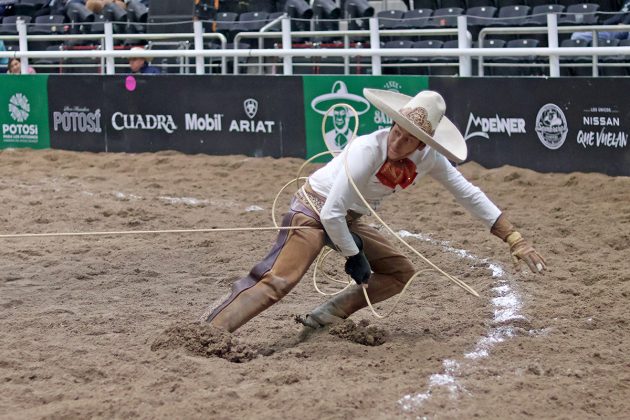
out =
column 9, row 26
column 539, row 14
column 444, row 18
column 29, row 7
column 518, row 61
column 414, row 19
column 395, row 60
column 575, row 65
column 427, row 14
column 389, row 19
column 445, row 66
column 580, row 14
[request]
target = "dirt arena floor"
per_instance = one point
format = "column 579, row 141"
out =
column 104, row 327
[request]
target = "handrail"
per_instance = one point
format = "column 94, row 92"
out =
column 594, row 29
column 107, row 52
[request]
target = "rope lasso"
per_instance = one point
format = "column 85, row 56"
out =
column 326, row 252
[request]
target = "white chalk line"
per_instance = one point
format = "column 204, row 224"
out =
column 507, row 305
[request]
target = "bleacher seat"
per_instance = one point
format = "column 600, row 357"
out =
column 517, row 71
column 568, row 63
column 449, row 66
column 614, row 69
column 394, row 60
column 511, row 16
column 538, row 16
column 9, row 24
column 225, row 22
column 420, row 65
column 389, row 19
column 413, row 19
column 580, row 14
column 49, row 64
column 444, row 18
column 249, row 22
column 47, row 25
column 567, row 3
column 28, row 7
column 479, row 17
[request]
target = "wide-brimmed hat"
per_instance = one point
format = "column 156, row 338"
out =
column 140, row 48
column 423, row 117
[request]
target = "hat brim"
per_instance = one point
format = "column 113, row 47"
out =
column 447, row 139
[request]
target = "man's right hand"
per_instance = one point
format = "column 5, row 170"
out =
column 359, row 268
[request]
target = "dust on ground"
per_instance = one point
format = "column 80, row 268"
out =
column 79, row 315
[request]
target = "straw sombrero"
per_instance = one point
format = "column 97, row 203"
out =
column 423, row 117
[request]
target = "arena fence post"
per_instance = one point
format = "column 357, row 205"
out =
column 23, row 43
column 287, row 60
column 552, row 41
column 109, row 46
column 463, row 42
column 199, row 59
column 343, row 26
column 375, row 45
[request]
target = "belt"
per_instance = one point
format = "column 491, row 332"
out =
column 310, row 198
column 316, row 201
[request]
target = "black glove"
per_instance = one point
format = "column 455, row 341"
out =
column 359, row 268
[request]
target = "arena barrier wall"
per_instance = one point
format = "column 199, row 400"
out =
column 252, row 115
column 548, row 125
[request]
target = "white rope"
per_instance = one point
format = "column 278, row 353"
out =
column 144, row 232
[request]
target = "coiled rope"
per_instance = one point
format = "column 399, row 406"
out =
column 326, row 251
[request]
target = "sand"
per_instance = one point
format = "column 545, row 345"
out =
column 106, row 326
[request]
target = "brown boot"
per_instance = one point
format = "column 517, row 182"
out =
column 344, row 304
column 271, row 279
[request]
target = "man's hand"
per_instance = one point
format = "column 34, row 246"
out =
column 522, row 250
column 359, row 268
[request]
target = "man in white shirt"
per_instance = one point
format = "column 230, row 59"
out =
column 419, row 143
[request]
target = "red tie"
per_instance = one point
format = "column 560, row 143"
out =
column 401, row 172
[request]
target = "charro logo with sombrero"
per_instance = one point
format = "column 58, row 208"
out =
column 340, row 134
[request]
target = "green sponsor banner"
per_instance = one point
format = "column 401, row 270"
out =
column 24, row 111
column 321, row 93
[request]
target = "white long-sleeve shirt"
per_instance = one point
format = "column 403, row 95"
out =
column 366, row 155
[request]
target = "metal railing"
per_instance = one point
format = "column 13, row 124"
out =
column 593, row 30
column 464, row 53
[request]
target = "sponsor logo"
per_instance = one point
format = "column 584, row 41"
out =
column 19, row 132
column 393, row 85
column 551, row 126
column 338, row 132
column 484, row 126
column 250, row 106
column 381, row 119
column 77, row 120
column 203, row 122
column 19, row 108
column 601, row 127
column 152, row 122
